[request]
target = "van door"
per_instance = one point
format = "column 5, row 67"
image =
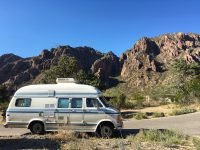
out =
column 62, row 113
column 76, row 114
column 93, row 114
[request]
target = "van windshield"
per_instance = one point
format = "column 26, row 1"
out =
column 104, row 101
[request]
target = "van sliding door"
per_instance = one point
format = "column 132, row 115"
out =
column 76, row 114
column 62, row 113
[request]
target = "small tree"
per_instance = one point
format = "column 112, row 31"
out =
column 88, row 78
column 67, row 68
column 188, row 76
column 118, row 100
column 3, row 94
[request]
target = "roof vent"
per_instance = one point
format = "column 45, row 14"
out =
column 66, row 80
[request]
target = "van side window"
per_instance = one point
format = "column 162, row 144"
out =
column 93, row 102
column 23, row 102
column 63, row 103
column 76, row 103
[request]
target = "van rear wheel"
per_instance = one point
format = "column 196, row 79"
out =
column 37, row 128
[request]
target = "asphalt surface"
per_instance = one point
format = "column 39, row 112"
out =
column 188, row 124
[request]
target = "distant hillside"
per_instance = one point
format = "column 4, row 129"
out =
column 144, row 65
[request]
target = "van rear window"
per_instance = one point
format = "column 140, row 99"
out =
column 23, row 102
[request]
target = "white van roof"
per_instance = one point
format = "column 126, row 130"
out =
column 57, row 90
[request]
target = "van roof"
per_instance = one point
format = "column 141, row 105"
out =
column 60, row 89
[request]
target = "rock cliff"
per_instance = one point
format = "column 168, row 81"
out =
column 16, row 71
column 146, row 62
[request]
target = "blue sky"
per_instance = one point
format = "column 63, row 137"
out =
column 29, row 26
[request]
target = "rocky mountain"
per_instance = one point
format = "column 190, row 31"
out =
column 145, row 64
column 16, row 71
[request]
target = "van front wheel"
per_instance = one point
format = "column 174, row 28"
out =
column 37, row 128
column 106, row 131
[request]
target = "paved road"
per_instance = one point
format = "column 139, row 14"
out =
column 12, row 131
column 188, row 124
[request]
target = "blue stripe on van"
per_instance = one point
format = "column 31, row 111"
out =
column 72, row 124
column 71, row 112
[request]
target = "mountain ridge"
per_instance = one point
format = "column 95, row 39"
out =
column 142, row 65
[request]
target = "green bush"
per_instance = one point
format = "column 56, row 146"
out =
column 118, row 100
column 140, row 116
column 164, row 137
column 196, row 143
column 158, row 114
column 138, row 99
column 182, row 111
column 129, row 105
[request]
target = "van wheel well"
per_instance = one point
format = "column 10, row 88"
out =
column 33, row 122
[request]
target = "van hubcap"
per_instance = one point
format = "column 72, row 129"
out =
column 106, row 131
column 37, row 128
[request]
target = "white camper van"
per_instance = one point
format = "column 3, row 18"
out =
column 68, row 105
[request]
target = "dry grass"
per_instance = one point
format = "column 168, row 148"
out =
column 163, row 108
column 63, row 135
column 68, row 140
column 1, row 118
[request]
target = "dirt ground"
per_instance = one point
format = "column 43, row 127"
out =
column 92, row 143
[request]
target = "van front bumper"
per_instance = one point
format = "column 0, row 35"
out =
column 120, row 125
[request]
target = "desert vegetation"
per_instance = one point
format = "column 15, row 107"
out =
column 69, row 140
column 182, row 111
column 3, row 97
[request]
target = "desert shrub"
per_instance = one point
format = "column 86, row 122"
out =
column 118, row 99
column 196, row 142
column 182, row 111
column 140, row 116
column 129, row 105
column 3, row 94
column 138, row 99
column 158, row 114
column 164, row 137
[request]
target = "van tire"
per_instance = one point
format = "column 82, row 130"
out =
column 105, row 130
column 37, row 128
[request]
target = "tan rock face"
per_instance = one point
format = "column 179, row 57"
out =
column 106, row 66
column 145, row 62
column 18, row 71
